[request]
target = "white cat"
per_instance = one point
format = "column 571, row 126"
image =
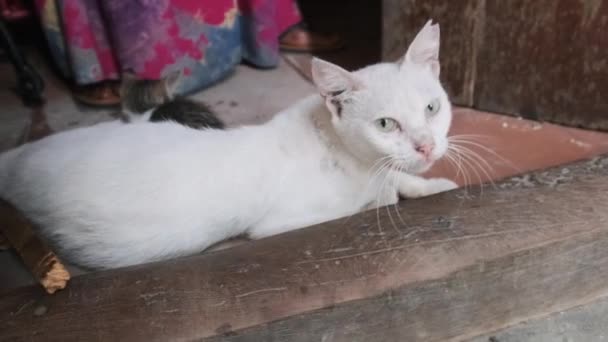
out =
column 116, row 194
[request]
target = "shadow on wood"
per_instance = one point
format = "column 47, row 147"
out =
column 446, row 267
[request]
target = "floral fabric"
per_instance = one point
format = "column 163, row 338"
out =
column 94, row 40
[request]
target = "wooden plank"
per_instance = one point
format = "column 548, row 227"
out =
column 545, row 60
column 473, row 301
column 460, row 24
column 582, row 323
column 460, row 265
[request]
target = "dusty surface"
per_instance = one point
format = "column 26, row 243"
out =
column 555, row 177
column 588, row 323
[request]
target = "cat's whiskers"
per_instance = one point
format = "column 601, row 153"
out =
column 381, row 165
column 454, row 162
column 474, row 155
column 380, row 192
column 468, row 165
column 396, row 205
column 464, row 148
column 456, row 159
column 467, row 139
column 478, row 160
column 454, row 154
column 378, row 165
column 390, row 181
column 450, row 159
column 399, row 168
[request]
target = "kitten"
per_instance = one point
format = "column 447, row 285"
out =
column 154, row 100
column 114, row 195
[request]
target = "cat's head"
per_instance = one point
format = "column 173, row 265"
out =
column 140, row 95
column 391, row 110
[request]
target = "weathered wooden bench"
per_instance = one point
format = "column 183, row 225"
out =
column 441, row 268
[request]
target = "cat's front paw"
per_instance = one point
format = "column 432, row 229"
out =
column 437, row 185
column 420, row 187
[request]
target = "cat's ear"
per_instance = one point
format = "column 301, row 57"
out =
column 334, row 84
column 331, row 79
column 172, row 81
column 424, row 49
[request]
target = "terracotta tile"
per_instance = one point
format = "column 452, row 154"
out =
column 508, row 146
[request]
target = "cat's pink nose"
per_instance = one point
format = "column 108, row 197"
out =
column 425, row 149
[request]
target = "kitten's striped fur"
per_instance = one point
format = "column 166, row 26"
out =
column 139, row 97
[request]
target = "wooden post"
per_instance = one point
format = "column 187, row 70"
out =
column 441, row 268
column 38, row 258
column 543, row 60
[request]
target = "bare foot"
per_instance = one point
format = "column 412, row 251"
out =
column 97, row 95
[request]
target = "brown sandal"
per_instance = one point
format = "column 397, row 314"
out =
column 102, row 94
column 299, row 39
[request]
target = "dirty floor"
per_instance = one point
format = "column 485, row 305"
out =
column 491, row 147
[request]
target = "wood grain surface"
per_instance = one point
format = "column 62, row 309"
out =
column 446, row 267
column 544, row 60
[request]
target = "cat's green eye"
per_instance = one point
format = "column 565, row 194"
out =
column 432, row 107
column 386, row 124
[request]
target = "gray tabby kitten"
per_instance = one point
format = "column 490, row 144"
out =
column 155, row 100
